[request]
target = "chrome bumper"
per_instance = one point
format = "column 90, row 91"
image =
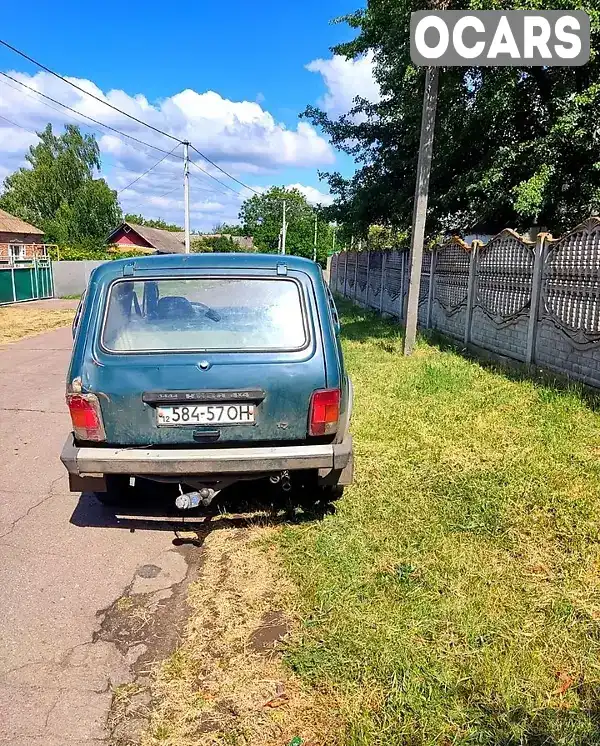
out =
column 95, row 461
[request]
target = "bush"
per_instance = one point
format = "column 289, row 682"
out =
column 79, row 253
column 216, row 244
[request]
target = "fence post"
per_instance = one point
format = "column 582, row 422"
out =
column 345, row 272
column 536, row 288
column 34, row 278
column 14, row 287
column 43, row 279
column 356, row 271
column 401, row 312
column 382, row 289
column 430, row 292
column 471, row 287
column 367, row 285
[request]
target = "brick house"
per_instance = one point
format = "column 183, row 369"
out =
column 131, row 236
column 18, row 239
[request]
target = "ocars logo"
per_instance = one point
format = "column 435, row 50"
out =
column 500, row 38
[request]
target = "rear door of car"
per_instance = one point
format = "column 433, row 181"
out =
column 176, row 355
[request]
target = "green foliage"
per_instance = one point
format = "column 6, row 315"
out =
column 529, row 195
column 152, row 222
column 513, row 145
column 229, row 229
column 59, row 193
column 220, row 244
column 80, row 253
column 261, row 217
column 384, row 237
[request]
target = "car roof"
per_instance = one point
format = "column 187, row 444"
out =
column 212, row 260
column 138, row 266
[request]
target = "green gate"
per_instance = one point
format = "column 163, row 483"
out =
column 26, row 279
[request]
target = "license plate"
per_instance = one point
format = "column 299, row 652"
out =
column 206, row 414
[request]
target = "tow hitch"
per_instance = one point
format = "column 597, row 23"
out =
column 189, row 500
column 283, row 479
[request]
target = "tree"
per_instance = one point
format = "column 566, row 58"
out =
column 229, row 229
column 59, row 193
column 152, row 222
column 218, row 244
column 261, row 217
column 513, row 146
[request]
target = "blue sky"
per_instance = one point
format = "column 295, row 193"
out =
column 232, row 77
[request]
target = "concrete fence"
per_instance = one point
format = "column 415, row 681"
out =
column 71, row 278
column 533, row 301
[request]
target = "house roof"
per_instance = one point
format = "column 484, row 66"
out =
column 165, row 242
column 10, row 224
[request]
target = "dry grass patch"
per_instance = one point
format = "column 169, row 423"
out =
column 21, row 321
column 226, row 683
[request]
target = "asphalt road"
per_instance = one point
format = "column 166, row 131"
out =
column 64, row 560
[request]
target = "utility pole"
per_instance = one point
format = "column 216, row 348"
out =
column 186, row 194
column 420, row 205
column 333, row 240
column 283, row 229
column 315, row 244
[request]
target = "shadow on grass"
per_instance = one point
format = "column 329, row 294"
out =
column 151, row 507
column 362, row 325
column 515, row 370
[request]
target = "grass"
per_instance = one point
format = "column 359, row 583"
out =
column 20, row 321
column 454, row 597
column 218, row 687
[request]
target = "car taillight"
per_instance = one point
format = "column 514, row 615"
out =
column 324, row 412
column 86, row 416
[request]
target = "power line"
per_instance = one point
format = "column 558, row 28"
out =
column 15, row 124
column 147, row 171
column 160, row 196
column 214, row 178
column 85, row 116
column 71, row 117
column 79, row 88
column 222, row 170
column 211, row 190
column 124, row 113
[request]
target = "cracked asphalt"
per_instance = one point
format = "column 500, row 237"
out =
column 64, row 561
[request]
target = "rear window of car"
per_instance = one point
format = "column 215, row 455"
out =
column 204, row 314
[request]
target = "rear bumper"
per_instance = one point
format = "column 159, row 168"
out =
column 96, row 461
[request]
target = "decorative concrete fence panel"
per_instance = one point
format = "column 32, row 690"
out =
column 395, row 282
column 375, row 286
column 450, row 288
column 537, row 302
column 502, row 295
column 362, row 268
column 567, row 337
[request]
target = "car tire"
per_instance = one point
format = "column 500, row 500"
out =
column 117, row 492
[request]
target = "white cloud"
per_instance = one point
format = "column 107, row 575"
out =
column 313, row 195
column 241, row 136
column 345, row 80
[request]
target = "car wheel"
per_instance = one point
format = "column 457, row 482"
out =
column 117, row 492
